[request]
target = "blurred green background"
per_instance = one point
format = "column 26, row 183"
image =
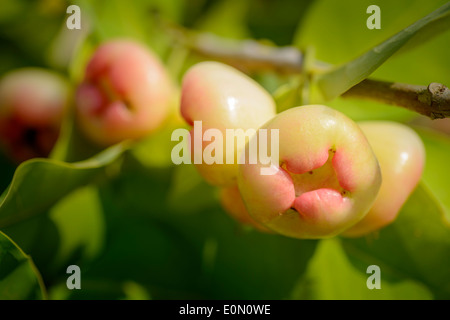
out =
column 141, row 228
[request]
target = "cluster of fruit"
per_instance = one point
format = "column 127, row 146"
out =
column 333, row 176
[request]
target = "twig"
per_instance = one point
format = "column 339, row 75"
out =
column 432, row 101
column 249, row 55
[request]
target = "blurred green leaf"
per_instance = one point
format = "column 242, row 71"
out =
column 242, row 264
column 423, row 65
column 38, row 237
column 156, row 149
column 346, row 22
column 21, row 45
column 148, row 240
column 19, row 278
column 73, row 232
column 332, row 276
column 118, row 19
column 140, row 190
column 287, row 96
column 412, row 254
column 11, row 9
column 436, row 176
column 338, row 80
column 432, row 30
column 276, row 20
column 144, row 251
column 414, row 247
column 115, row 18
column 79, row 59
column 79, row 220
column 73, row 145
column 189, row 192
column 7, row 168
column 226, row 18
column 39, row 183
column 252, row 265
column 134, row 291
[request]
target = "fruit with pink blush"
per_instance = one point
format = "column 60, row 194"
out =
column 222, row 98
column 401, row 155
column 126, row 93
column 326, row 180
column 32, row 105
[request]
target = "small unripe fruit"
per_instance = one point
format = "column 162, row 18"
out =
column 401, row 155
column 32, row 105
column 125, row 94
column 232, row 202
column 326, row 180
column 223, row 98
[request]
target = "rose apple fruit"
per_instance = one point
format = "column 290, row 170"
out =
column 325, row 181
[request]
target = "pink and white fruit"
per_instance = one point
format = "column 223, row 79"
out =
column 125, row 94
column 326, row 180
column 32, row 105
column 223, row 98
column 401, row 155
column 232, row 202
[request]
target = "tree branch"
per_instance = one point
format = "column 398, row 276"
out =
column 249, row 55
column 432, row 101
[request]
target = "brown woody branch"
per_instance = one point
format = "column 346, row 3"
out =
column 432, row 101
column 249, row 55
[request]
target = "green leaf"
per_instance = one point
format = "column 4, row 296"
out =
column 144, row 251
column 139, row 190
column 73, row 232
column 189, row 192
column 39, row 183
column 412, row 254
column 276, row 20
column 351, row 38
column 115, row 18
column 335, row 82
column 433, row 29
column 134, row 291
column 436, row 176
column 40, row 239
column 156, row 149
column 288, row 96
column 226, row 18
column 19, row 278
column 219, row 259
column 347, row 22
column 243, row 264
column 79, row 220
column 118, row 19
column 331, row 275
column 416, row 246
